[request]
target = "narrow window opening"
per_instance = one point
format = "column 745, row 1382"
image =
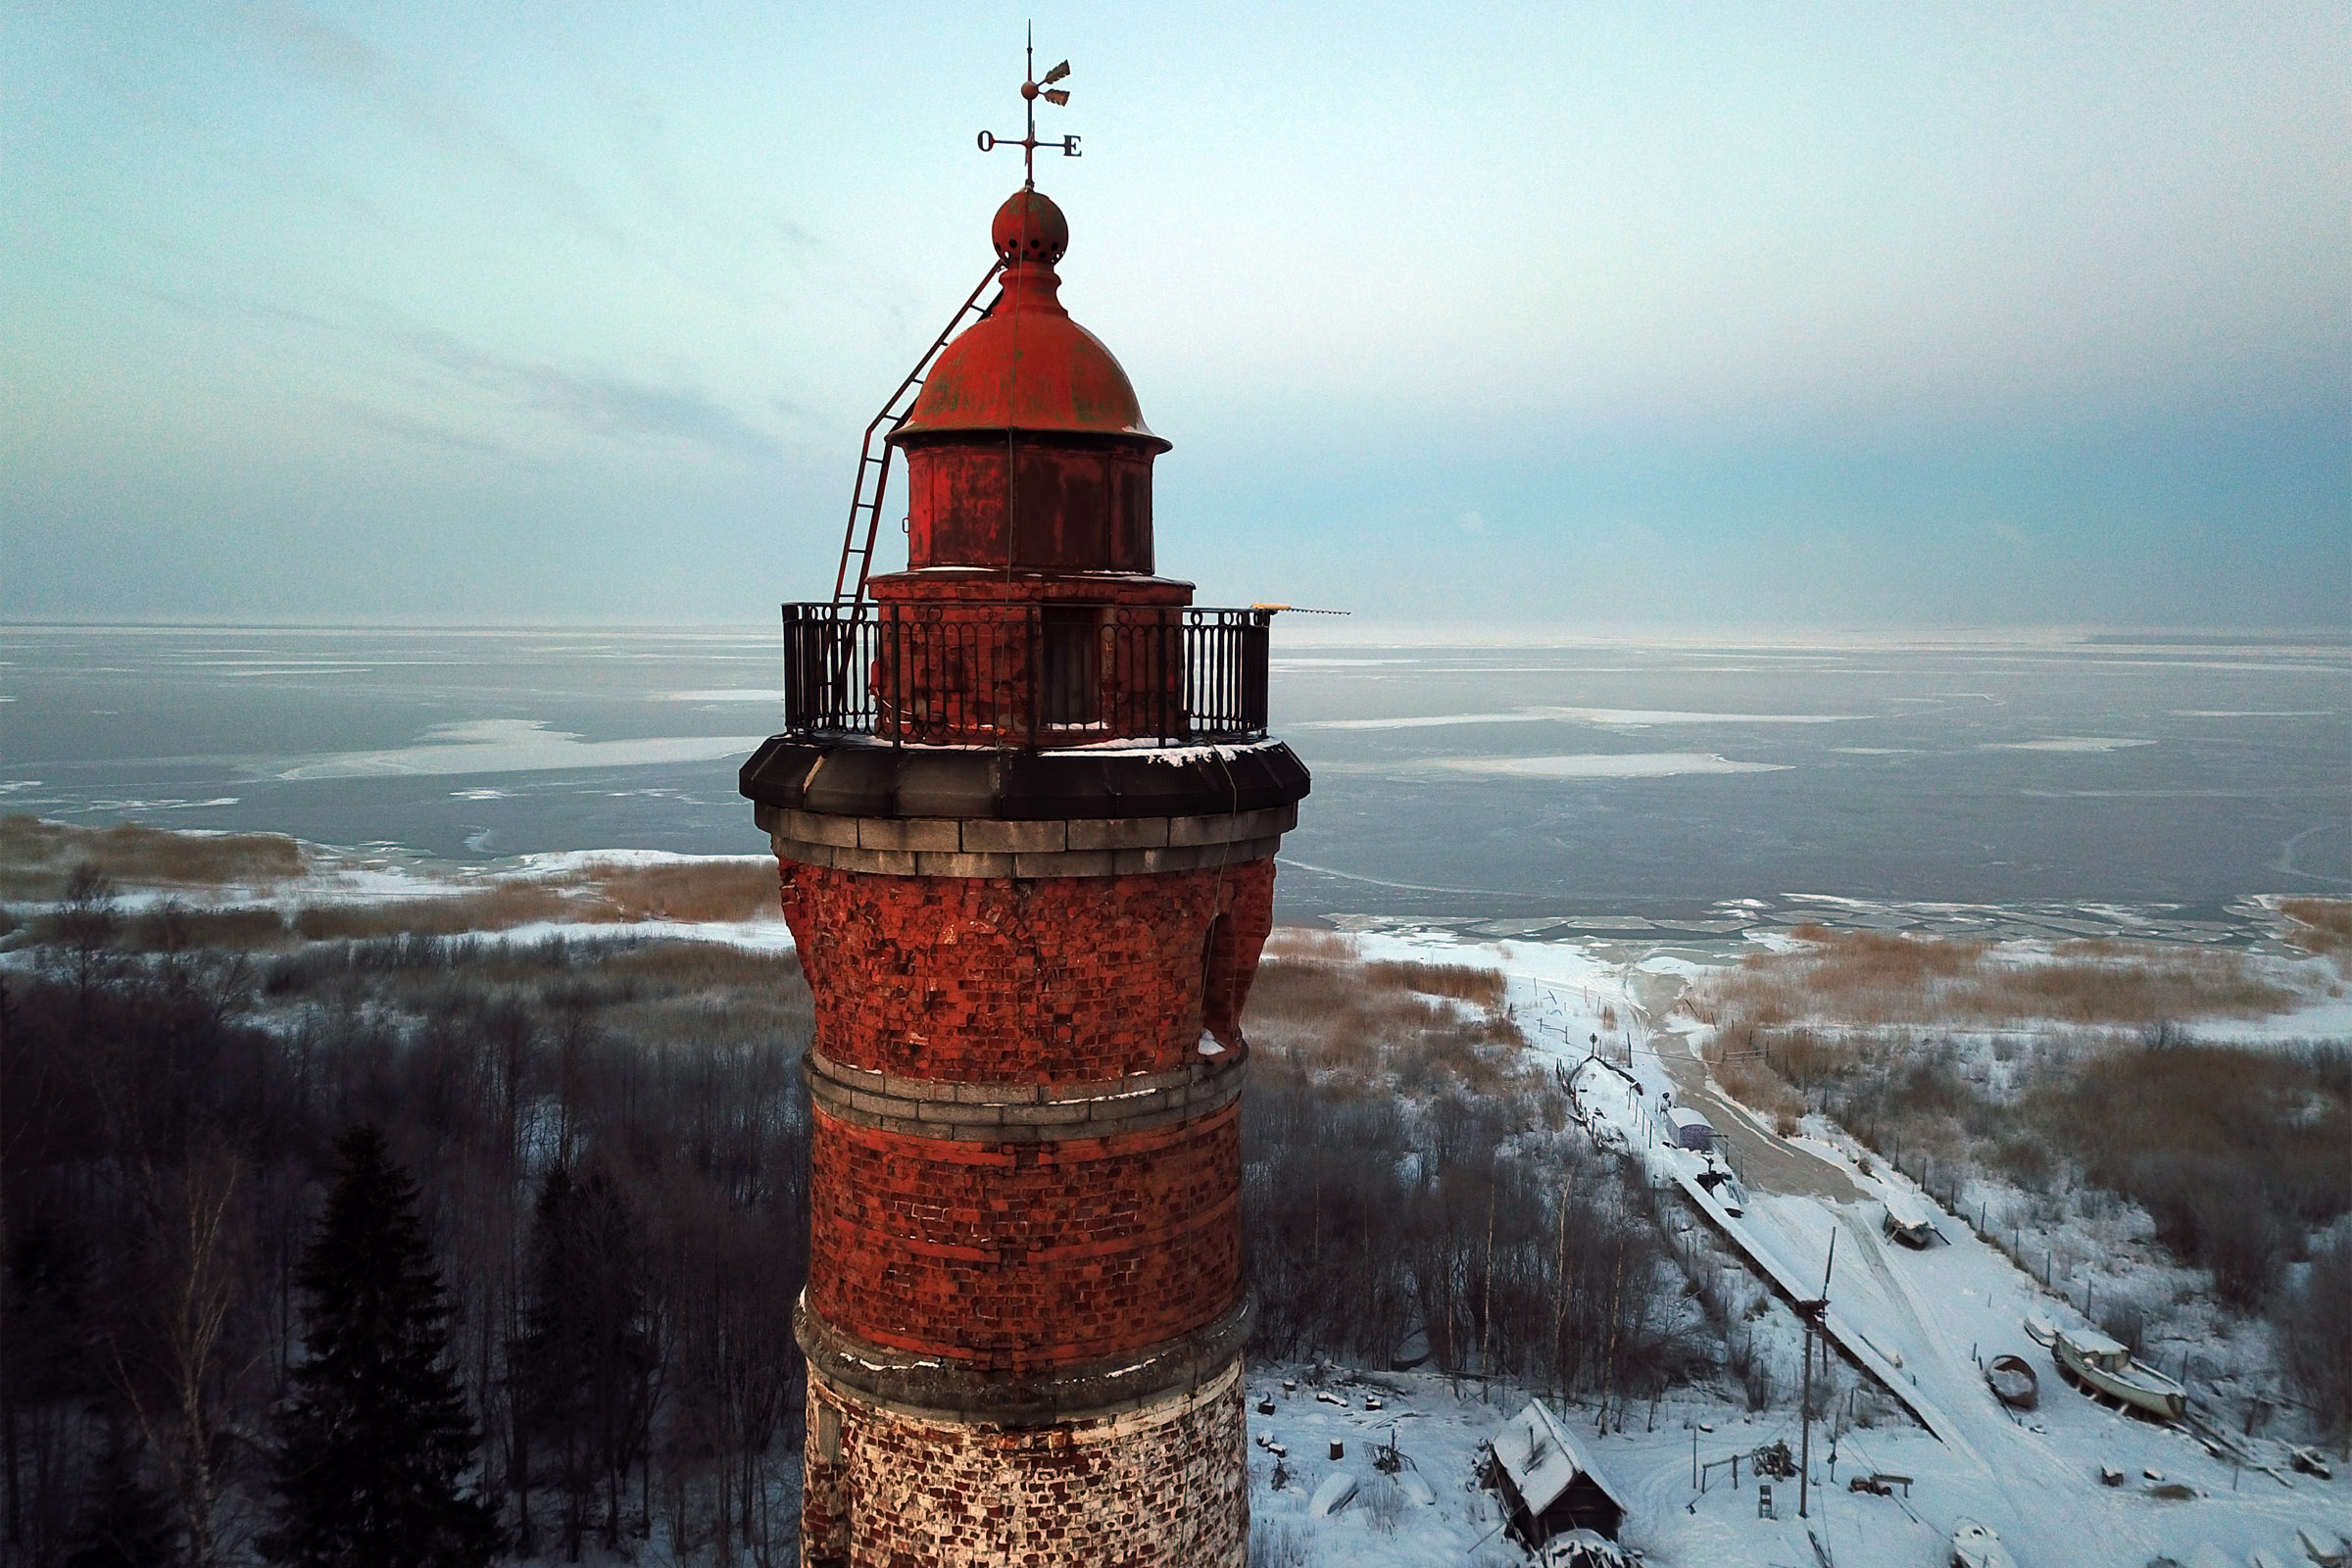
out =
column 1218, row 1022
column 828, row 1433
column 1070, row 681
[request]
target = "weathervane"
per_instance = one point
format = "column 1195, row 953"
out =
column 1033, row 90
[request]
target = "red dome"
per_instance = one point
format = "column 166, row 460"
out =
column 1028, row 367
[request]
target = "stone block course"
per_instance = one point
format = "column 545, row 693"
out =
column 1022, row 838
column 907, row 833
column 1121, row 833
column 1159, row 1487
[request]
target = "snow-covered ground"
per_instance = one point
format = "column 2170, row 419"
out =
column 1919, row 1320
column 1923, row 1320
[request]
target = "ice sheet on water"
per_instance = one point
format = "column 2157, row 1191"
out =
column 1620, row 717
column 1609, row 765
column 510, row 745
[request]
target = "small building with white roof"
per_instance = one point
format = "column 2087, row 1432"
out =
column 1688, row 1129
column 1548, row 1484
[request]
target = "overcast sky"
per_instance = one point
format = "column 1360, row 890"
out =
column 1868, row 316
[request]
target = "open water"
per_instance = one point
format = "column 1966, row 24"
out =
column 2087, row 785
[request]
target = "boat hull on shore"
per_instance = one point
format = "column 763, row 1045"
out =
column 2097, row 1364
column 2013, row 1382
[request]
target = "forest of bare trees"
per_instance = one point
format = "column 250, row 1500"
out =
column 608, row 1137
column 1412, row 1178
column 610, row 1143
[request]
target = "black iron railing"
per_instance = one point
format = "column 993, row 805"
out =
column 1027, row 676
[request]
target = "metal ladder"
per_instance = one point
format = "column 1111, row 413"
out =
column 874, row 458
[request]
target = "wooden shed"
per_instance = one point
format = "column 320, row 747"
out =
column 1547, row 1485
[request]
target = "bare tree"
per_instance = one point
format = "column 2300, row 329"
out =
column 176, row 1370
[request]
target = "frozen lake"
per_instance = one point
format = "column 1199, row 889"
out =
column 1593, row 785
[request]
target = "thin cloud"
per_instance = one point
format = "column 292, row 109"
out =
column 603, row 406
column 418, row 431
column 374, row 77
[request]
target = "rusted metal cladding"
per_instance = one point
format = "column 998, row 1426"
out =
column 1026, row 505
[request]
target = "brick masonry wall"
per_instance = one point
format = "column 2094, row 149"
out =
column 1025, row 1256
column 1160, row 1487
column 1060, row 979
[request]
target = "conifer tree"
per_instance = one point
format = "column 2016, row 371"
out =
column 374, row 1449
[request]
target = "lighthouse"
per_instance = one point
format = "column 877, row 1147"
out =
column 1025, row 809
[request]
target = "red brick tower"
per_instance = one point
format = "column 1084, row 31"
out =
column 1025, row 811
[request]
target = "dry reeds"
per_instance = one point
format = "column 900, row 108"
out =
column 1307, row 945
column 1748, row 1078
column 172, row 929
column 2320, row 925
column 1870, row 978
column 501, row 907
column 1367, row 1023
column 1483, row 987
column 38, row 859
column 730, row 889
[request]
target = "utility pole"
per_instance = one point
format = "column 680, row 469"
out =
column 1812, row 1312
column 1804, row 1461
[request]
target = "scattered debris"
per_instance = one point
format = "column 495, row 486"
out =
column 1976, row 1546
column 1334, row 1494
column 2338, row 1555
column 2310, row 1462
column 1582, row 1548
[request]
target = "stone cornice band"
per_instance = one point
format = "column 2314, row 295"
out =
column 931, row 1387
column 993, row 847
column 1023, row 1113
column 845, row 775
